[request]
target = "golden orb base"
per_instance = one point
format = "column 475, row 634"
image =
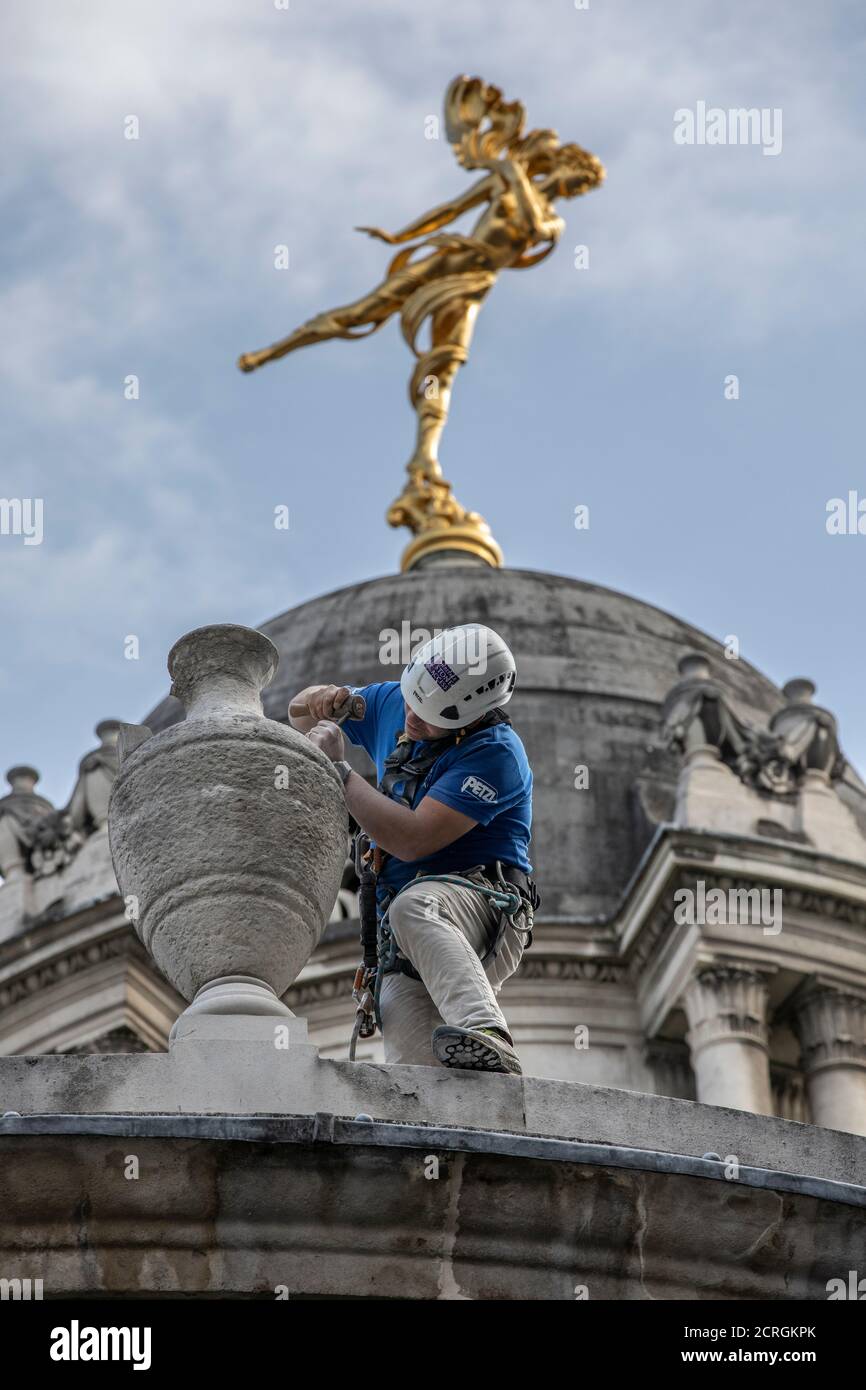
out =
column 470, row 540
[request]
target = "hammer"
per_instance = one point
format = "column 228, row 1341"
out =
column 354, row 708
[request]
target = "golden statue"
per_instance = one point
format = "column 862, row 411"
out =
column 445, row 277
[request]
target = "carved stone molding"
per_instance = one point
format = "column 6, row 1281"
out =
column 826, row 905
column 661, row 919
column 568, row 968
column 726, row 1001
column 56, row 842
column 831, row 1027
column 698, row 717
column 51, row 838
column 305, row 993
column 802, row 899
column 85, row 958
column 117, row 1040
column 658, row 923
column 301, row 995
column 22, row 810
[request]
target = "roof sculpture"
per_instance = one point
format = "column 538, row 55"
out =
column 444, row 278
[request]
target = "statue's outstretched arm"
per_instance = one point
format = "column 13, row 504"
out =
column 431, row 221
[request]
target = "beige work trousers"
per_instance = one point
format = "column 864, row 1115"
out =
column 444, row 930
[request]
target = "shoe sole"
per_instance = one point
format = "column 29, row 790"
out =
column 470, row 1054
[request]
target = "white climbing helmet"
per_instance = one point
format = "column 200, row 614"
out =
column 458, row 676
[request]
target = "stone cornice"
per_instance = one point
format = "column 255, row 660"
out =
column 35, row 977
column 755, row 861
column 680, row 858
column 122, row 1039
column 542, row 967
column 661, row 920
column 323, row 990
column 54, row 928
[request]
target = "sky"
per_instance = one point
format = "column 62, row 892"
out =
column 265, row 124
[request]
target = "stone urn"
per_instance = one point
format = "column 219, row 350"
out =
column 227, row 831
column 808, row 732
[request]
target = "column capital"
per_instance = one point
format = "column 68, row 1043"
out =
column 830, row 1023
column 727, row 1001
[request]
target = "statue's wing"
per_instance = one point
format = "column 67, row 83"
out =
column 478, row 123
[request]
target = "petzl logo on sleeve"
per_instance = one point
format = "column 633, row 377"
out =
column 482, row 790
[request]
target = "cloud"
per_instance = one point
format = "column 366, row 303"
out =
column 272, row 125
column 261, row 126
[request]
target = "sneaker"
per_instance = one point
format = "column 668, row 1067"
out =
column 481, row 1049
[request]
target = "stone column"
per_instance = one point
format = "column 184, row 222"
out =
column 671, row 1068
column 789, row 1094
column 726, row 1007
column 830, row 1023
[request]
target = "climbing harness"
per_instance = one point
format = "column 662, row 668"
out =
column 505, row 887
column 512, row 901
column 363, row 989
column 401, row 767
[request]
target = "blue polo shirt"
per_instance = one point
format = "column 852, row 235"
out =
column 487, row 777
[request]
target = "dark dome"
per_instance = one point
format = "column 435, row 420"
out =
column 593, row 668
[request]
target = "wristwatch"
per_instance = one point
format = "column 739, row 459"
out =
column 343, row 768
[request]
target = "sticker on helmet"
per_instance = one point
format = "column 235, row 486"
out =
column 442, row 674
column 482, row 790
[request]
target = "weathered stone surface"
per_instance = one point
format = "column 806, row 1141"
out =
column 314, row 1218
column 228, row 831
column 21, row 810
column 88, row 805
column 254, row 1077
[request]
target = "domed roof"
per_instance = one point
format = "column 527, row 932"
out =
column 593, row 668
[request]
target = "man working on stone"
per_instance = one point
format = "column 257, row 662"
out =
column 454, row 800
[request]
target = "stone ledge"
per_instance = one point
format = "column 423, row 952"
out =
column 359, row 1133
column 248, row 1078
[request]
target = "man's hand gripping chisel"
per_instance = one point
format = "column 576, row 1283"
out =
column 353, row 708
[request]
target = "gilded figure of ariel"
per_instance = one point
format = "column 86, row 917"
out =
column 445, row 276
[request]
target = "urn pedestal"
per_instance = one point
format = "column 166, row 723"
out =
column 227, row 832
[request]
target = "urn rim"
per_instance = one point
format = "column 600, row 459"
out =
column 221, row 648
